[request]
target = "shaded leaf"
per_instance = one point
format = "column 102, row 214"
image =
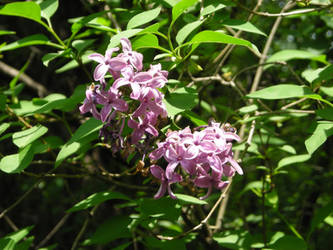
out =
column 180, row 100
column 288, row 242
column 320, row 216
column 286, row 55
column 96, row 199
column 212, row 6
column 3, row 127
column 114, row 228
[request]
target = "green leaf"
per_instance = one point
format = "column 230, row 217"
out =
column 289, row 149
column 7, row 32
column 286, row 55
column 48, row 8
column 25, row 137
column 143, row 18
column 196, row 119
column 292, row 160
column 165, row 208
column 248, row 109
column 3, row 127
column 320, row 216
column 243, row 25
column 319, row 136
column 181, row 7
column 210, row 36
column 184, row 32
column 326, row 113
column 212, row 6
column 82, row 21
column 84, row 134
column 187, row 199
column 145, row 41
column 180, row 100
column 288, row 242
column 81, row 45
column 327, row 90
column 114, row 228
column 115, row 40
column 15, row 163
column 281, row 91
column 74, row 64
column 28, row 10
column 96, row 199
column 37, row 39
column 10, row 241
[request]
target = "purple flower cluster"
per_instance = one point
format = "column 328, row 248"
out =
column 205, row 155
column 133, row 95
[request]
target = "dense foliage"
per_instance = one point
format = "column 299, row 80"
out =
column 158, row 124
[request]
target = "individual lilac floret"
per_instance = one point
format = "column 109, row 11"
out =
column 159, row 173
column 205, row 155
column 131, row 57
column 106, row 63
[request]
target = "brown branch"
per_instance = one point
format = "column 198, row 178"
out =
column 9, row 70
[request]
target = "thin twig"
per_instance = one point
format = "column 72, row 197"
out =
column 294, row 103
column 284, row 14
column 9, row 70
column 53, row 231
column 203, row 222
column 83, row 228
column 10, row 223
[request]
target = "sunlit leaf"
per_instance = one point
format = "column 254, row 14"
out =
column 319, row 136
column 190, row 199
column 292, row 160
column 286, row 55
column 281, row 91
column 181, row 7
column 25, row 137
column 28, row 10
column 184, row 32
column 243, row 25
column 48, row 7
column 37, row 39
column 143, row 18
column 15, row 163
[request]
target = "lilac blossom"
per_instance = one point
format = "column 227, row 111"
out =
column 205, row 155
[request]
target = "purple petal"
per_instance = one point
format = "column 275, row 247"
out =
column 161, row 191
column 236, row 166
column 97, row 58
column 100, row 71
column 170, row 170
column 117, row 64
column 105, row 112
column 157, row 172
column 126, row 44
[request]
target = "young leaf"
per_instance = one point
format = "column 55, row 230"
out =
column 281, row 91
column 37, row 39
column 186, row 30
column 28, row 10
column 48, row 8
column 243, row 25
column 25, row 137
column 143, row 18
column 145, row 41
column 96, row 199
